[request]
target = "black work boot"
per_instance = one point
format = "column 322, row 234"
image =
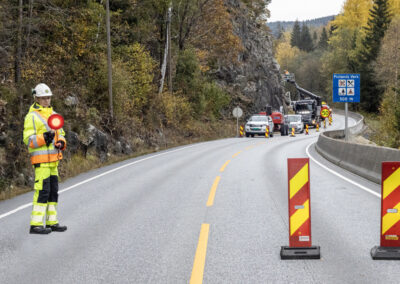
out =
column 57, row 228
column 41, row 230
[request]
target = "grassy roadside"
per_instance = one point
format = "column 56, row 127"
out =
column 78, row 164
column 373, row 123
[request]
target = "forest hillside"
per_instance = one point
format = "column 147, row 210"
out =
column 178, row 67
column 363, row 39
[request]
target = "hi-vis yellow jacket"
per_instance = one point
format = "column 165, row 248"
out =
column 34, row 127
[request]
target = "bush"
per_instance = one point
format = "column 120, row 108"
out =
column 206, row 98
column 173, row 109
column 389, row 134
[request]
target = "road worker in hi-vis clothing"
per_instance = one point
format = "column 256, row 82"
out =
column 45, row 146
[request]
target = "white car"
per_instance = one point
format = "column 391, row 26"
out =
column 295, row 121
column 257, row 125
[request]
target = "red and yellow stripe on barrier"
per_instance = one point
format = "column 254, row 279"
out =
column 390, row 208
column 241, row 131
column 299, row 202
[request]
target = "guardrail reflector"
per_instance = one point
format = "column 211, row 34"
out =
column 390, row 213
column 299, row 212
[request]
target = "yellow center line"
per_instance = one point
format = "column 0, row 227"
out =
column 224, row 166
column 250, row 147
column 236, row 154
column 200, row 257
column 211, row 197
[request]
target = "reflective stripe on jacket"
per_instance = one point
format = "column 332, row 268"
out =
column 34, row 126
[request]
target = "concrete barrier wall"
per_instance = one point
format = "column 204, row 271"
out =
column 363, row 160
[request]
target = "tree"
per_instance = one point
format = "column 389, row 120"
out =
column 355, row 14
column 295, row 38
column 259, row 7
column 394, row 7
column 306, row 42
column 387, row 67
column 323, row 40
column 188, row 14
column 376, row 27
column 280, row 31
column 315, row 37
column 285, row 53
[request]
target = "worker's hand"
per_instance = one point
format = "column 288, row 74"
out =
column 48, row 137
column 60, row 144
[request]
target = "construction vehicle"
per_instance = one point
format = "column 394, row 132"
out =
column 278, row 119
column 309, row 105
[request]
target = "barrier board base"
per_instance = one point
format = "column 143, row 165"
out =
column 385, row 253
column 312, row 252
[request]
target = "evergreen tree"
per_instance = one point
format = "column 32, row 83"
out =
column 306, row 42
column 295, row 39
column 352, row 62
column 315, row 37
column 323, row 40
column 378, row 23
column 280, row 31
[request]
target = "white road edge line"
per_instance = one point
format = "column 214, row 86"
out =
column 339, row 175
column 95, row 177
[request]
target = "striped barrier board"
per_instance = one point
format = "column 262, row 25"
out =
column 299, row 212
column 241, row 131
column 390, row 213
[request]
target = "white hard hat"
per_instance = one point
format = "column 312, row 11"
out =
column 42, row 90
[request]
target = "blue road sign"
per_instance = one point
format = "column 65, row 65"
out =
column 346, row 88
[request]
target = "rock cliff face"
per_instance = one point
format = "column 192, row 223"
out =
column 256, row 76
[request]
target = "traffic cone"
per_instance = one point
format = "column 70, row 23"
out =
column 324, row 123
column 267, row 132
column 306, row 129
column 293, row 134
column 330, row 120
column 317, row 127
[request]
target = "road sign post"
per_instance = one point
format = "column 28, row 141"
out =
column 346, row 89
column 346, row 122
column 237, row 112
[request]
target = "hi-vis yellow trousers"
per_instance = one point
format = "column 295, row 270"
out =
column 46, row 194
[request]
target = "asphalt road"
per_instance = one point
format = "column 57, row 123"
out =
column 215, row 212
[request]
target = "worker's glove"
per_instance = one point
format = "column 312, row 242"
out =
column 48, row 137
column 60, row 144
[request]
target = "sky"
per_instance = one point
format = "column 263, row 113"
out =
column 290, row 10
